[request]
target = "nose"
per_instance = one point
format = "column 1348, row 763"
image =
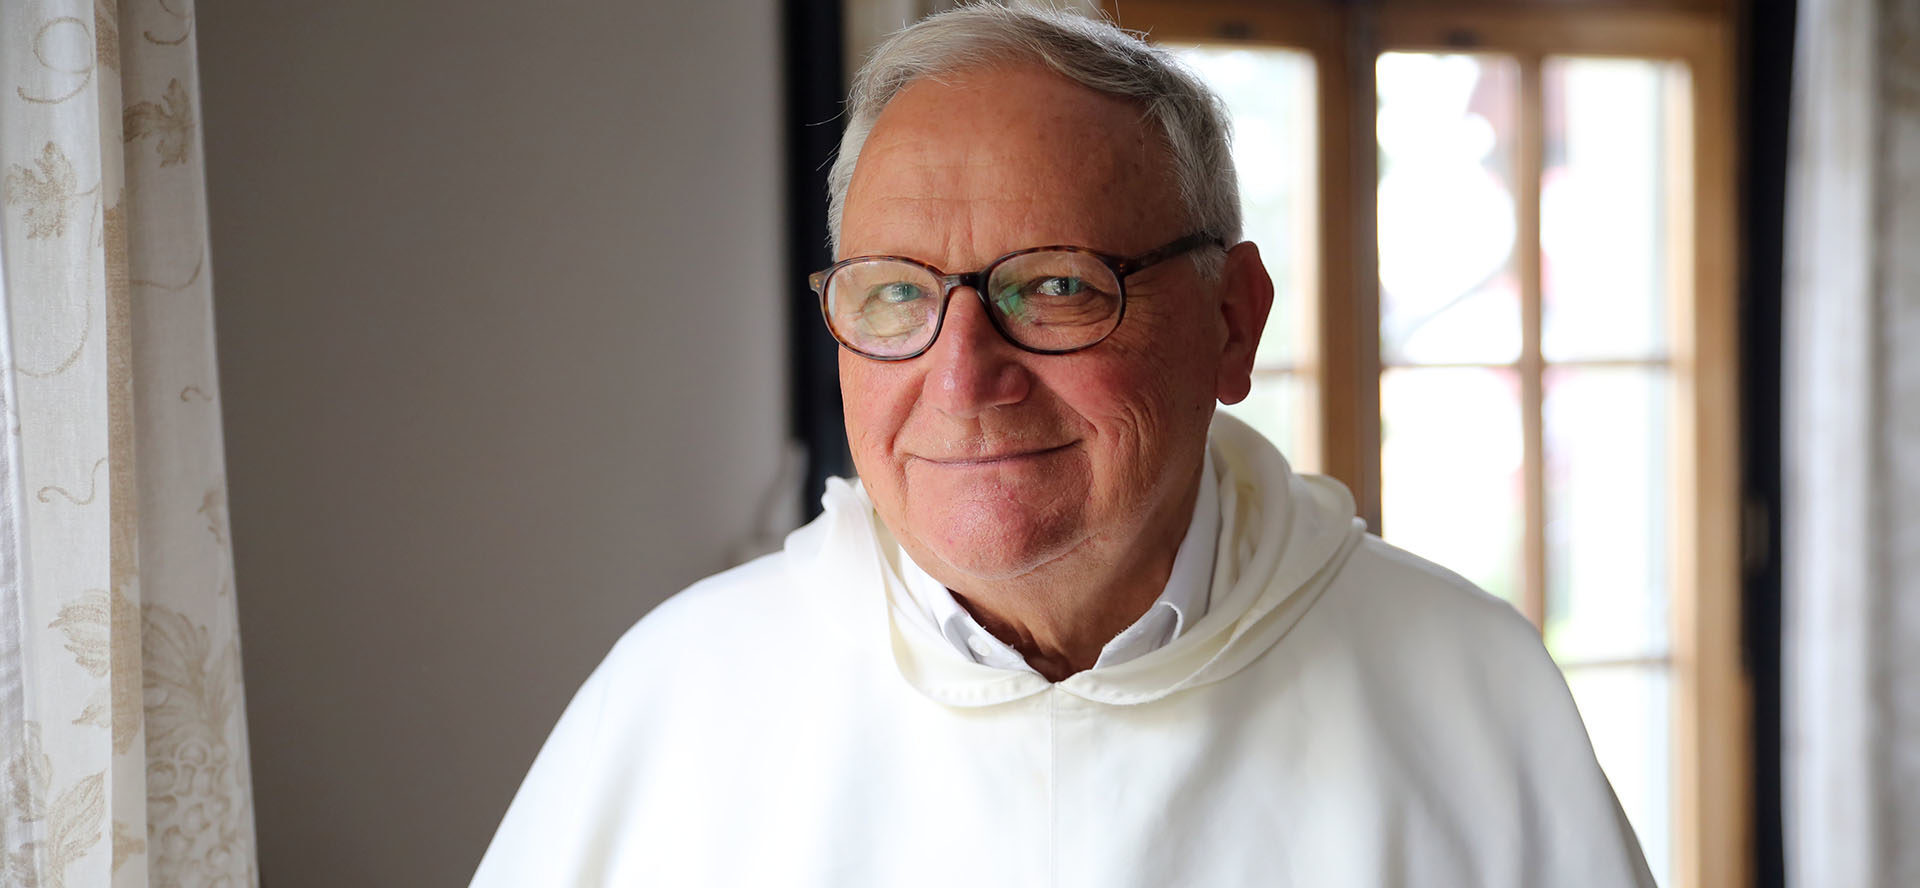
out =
column 972, row 367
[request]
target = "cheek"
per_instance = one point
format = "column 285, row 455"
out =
column 1128, row 402
column 1146, row 403
column 1181, row 362
column 875, row 402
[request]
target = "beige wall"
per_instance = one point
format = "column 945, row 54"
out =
column 501, row 319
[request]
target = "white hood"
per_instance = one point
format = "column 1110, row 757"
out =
column 1282, row 539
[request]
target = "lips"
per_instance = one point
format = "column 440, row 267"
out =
column 964, row 461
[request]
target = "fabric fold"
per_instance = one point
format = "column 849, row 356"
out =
column 1281, row 539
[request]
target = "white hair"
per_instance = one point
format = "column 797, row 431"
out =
column 1095, row 54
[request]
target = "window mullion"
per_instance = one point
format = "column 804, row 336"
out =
column 1529, row 163
column 1350, row 318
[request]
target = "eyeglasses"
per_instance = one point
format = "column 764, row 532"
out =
column 1045, row 300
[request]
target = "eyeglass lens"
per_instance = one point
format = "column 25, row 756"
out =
column 1051, row 300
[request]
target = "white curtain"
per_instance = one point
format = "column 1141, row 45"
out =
column 1852, row 387
column 122, row 731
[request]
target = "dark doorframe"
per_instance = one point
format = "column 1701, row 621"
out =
column 1766, row 98
column 813, row 66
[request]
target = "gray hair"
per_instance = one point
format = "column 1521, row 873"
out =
column 1094, row 54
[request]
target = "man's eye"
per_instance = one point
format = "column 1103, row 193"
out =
column 898, row 292
column 1049, row 295
column 1058, row 286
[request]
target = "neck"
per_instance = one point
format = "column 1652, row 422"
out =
column 1059, row 617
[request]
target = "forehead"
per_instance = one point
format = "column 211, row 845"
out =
column 970, row 166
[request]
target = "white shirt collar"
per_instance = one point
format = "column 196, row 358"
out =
column 1180, row 605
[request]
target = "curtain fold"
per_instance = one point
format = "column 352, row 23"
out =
column 1851, row 382
column 122, row 734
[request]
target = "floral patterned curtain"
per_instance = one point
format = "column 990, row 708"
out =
column 122, row 730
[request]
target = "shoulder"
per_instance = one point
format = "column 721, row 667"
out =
column 1399, row 587
column 672, row 678
column 744, row 608
column 1419, row 605
column 1436, row 636
column 1475, row 711
column 763, row 624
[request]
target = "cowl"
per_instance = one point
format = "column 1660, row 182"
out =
column 1283, row 539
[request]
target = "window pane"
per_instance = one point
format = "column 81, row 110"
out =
column 1607, row 491
column 1269, row 94
column 1450, row 463
column 1606, row 225
column 1628, row 717
column 1280, row 409
column 1448, row 287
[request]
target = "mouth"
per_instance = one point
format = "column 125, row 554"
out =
column 1006, row 458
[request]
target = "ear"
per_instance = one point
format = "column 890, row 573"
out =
column 1245, row 299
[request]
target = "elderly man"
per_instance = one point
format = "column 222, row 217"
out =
column 1070, row 628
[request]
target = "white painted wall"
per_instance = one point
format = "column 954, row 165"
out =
column 500, row 306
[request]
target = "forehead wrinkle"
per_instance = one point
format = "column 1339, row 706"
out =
column 970, row 185
column 952, row 148
column 1020, row 221
column 1027, row 207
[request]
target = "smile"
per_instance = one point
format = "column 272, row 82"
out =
column 993, row 459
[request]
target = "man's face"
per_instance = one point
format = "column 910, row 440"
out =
column 988, row 462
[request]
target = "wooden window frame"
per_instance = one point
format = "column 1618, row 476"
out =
column 1712, row 791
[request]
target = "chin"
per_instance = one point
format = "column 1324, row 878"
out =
column 998, row 540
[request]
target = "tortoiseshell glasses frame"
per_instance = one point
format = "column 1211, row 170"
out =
column 1120, row 267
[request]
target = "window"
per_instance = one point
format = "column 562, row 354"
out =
column 1271, row 94
column 1502, row 249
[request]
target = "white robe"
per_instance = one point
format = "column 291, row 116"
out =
column 1346, row 714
